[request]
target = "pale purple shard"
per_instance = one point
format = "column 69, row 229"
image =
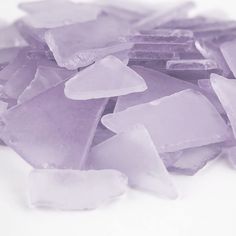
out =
column 151, row 55
column 108, row 77
column 73, row 46
column 134, row 154
column 230, row 153
column 74, row 189
column 191, row 160
column 228, row 50
column 8, row 54
column 159, row 85
column 225, row 90
column 45, row 78
column 51, row 130
column 173, row 121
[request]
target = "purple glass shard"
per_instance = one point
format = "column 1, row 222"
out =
column 163, row 16
column 134, row 154
column 162, row 36
column 228, row 50
column 190, row 161
column 65, row 13
column 8, row 54
column 159, row 85
column 108, row 77
column 204, row 64
column 51, row 130
column 3, row 107
column 45, row 78
column 73, row 47
column 73, row 189
column 164, row 47
column 9, row 37
column 170, row 132
column 225, row 90
column 152, row 55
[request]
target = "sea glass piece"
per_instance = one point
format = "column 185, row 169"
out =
column 173, row 121
column 162, row 36
column 161, row 17
column 73, row 47
column 228, row 50
column 204, row 64
column 225, row 90
column 45, row 78
column 52, row 131
column 159, row 85
column 191, row 160
column 108, row 77
column 64, row 13
column 9, row 37
column 74, row 189
column 134, row 154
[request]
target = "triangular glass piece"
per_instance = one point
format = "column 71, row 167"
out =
column 108, row 77
column 183, row 120
column 134, row 154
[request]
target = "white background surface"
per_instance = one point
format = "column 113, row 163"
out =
column 206, row 206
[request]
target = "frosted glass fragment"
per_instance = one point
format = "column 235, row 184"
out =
column 108, row 77
column 8, row 54
column 225, row 90
column 191, row 160
column 3, row 107
column 159, row 85
column 44, row 78
column 74, row 189
column 163, row 16
column 134, row 154
column 228, row 50
column 51, row 131
column 74, row 47
column 151, row 55
column 173, row 121
column 204, row 64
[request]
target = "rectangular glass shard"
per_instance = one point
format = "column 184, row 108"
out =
column 74, row 47
column 134, row 154
column 152, row 55
column 173, row 122
column 52, row 131
column 162, row 36
column 74, row 189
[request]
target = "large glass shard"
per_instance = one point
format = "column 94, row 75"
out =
column 64, row 13
column 51, row 130
column 159, row 85
column 74, row 47
column 162, row 36
column 134, row 154
column 108, row 77
column 191, row 160
column 173, row 121
column 225, row 90
column 74, row 189
column 161, row 17
column 45, row 78
column 228, row 50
